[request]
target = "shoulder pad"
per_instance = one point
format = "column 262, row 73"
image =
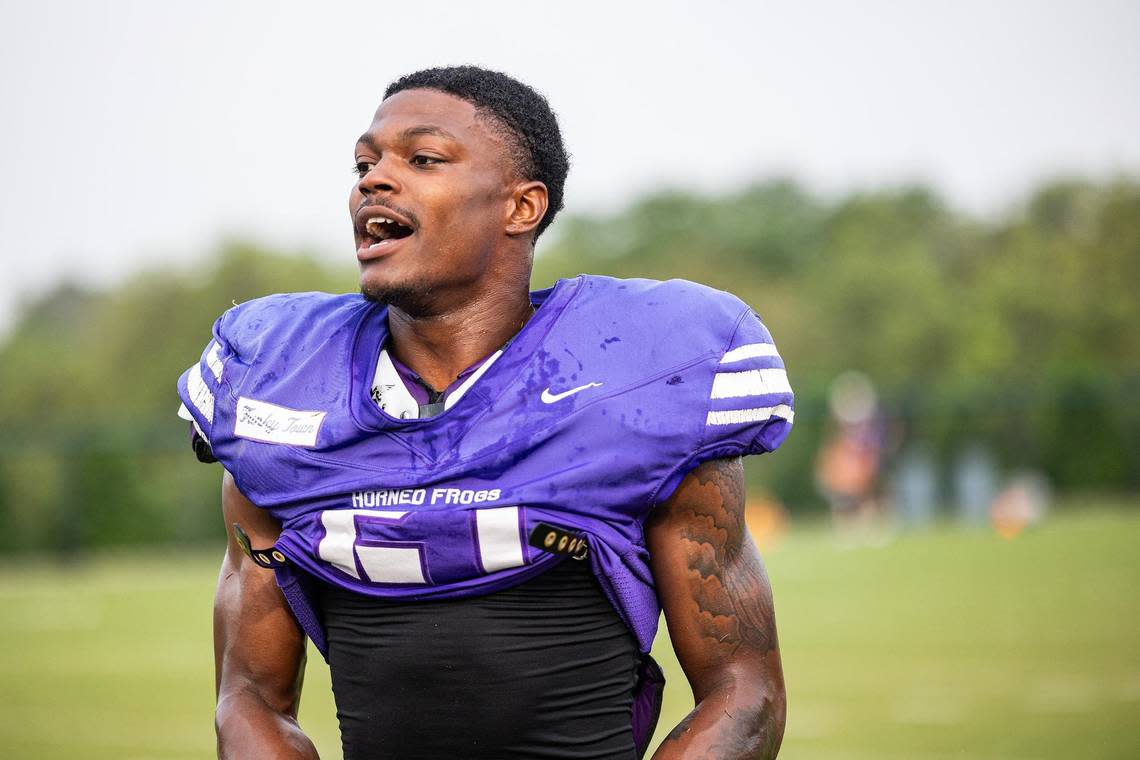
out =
column 279, row 324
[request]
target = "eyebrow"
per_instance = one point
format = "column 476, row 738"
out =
column 409, row 133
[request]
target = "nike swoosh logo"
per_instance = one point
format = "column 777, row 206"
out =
column 550, row 398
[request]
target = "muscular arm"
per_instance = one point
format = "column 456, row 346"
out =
column 718, row 605
column 259, row 650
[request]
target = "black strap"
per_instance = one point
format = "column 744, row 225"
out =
column 271, row 557
column 557, row 540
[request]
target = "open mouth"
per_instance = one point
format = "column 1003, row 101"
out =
column 381, row 228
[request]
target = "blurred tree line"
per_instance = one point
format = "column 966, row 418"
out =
column 1022, row 334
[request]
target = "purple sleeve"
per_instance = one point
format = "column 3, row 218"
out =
column 200, row 386
column 750, row 406
column 746, row 403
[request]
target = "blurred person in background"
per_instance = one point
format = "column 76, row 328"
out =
column 477, row 500
column 849, row 461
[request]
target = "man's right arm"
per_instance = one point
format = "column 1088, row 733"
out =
column 259, row 650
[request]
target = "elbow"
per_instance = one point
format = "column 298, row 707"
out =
column 236, row 715
column 777, row 719
column 771, row 716
column 760, row 727
column 761, row 714
column 246, row 726
column 245, row 712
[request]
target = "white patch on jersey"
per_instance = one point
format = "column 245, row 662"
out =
column 499, row 543
column 748, row 351
column 392, row 564
column 270, row 423
column 754, row 382
column 382, row 564
column 740, row 416
column 200, row 395
column 214, row 360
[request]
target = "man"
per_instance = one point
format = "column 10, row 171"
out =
column 472, row 497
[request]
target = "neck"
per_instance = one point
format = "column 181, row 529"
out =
column 440, row 345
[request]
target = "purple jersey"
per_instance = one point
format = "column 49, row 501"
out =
column 610, row 394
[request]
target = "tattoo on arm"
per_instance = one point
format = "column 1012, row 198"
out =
column 715, row 590
column 725, row 576
column 680, row 729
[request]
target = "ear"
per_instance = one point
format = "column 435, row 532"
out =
column 526, row 208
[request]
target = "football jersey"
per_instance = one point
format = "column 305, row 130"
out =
column 591, row 416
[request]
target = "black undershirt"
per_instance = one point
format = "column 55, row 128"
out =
column 542, row 670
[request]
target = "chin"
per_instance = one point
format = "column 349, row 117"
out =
column 406, row 294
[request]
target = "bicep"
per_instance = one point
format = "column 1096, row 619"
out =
column 711, row 581
column 258, row 645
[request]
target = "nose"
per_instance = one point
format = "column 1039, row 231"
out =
column 379, row 179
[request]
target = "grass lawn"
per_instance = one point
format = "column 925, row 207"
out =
column 938, row 645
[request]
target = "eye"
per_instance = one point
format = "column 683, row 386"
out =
column 360, row 168
column 421, row 160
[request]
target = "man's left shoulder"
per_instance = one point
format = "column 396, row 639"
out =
column 674, row 292
column 675, row 310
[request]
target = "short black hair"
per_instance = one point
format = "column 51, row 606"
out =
column 529, row 122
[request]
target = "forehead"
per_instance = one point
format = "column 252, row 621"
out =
column 411, row 109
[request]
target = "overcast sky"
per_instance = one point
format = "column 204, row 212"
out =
column 134, row 134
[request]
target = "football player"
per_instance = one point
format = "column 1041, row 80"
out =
column 474, row 499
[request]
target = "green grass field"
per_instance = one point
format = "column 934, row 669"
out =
column 938, row 645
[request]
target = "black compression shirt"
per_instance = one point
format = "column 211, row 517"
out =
column 542, row 670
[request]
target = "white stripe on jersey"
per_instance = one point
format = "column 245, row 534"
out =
column 214, row 360
column 738, row 416
column 184, row 413
column 748, row 351
column 200, row 395
column 500, row 544
column 753, row 382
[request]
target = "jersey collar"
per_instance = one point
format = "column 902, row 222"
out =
column 466, row 403
column 391, row 392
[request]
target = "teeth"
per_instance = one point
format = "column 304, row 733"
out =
column 372, row 224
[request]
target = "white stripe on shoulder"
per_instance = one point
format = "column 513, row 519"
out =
column 200, row 395
column 753, row 382
column 214, row 360
column 748, row 351
column 740, row 416
column 184, row 413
